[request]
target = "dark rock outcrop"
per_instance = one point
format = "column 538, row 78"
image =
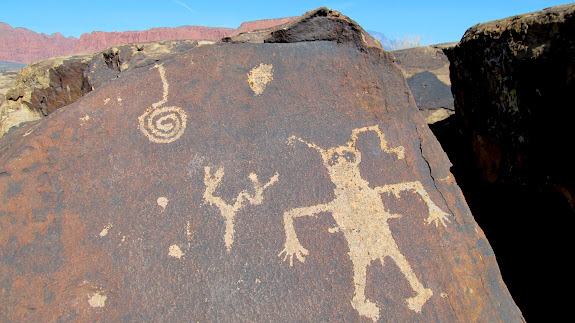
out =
column 42, row 87
column 513, row 84
column 249, row 26
column 45, row 86
column 427, row 72
column 316, row 25
column 258, row 182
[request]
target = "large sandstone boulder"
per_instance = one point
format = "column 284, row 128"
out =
column 513, row 84
column 244, row 182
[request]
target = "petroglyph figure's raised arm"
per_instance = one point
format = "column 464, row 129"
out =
column 292, row 245
column 229, row 211
column 435, row 213
column 398, row 151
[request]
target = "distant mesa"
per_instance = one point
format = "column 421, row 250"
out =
column 25, row 46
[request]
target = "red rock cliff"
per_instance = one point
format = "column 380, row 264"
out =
column 25, row 46
column 99, row 40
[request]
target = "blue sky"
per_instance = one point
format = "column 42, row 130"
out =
column 435, row 21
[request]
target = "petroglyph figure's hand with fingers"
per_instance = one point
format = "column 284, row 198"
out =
column 293, row 248
column 437, row 215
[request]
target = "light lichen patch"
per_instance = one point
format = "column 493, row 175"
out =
column 259, row 77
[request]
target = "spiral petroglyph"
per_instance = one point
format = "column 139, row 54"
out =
column 163, row 125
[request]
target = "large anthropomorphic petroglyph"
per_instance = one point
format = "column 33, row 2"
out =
column 229, row 211
column 360, row 214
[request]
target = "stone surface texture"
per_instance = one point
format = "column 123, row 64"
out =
column 243, row 182
column 427, row 72
column 514, row 88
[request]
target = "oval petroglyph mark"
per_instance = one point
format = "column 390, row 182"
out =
column 175, row 251
column 105, row 231
column 162, row 202
column 259, row 77
column 97, row 299
column 163, row 124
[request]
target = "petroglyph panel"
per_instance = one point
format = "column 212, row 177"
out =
column 361, row 215
column 228, row 211
column 163, row 124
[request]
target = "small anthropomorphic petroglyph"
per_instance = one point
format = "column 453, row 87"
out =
column 360, row 214
column 259, row 77
column 229, row 211
column 163, row 124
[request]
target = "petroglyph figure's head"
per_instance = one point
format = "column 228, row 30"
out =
column 343, row 156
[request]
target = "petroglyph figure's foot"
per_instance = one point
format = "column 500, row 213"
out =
column 416, row 303
column 365, row 307
column 293, row 249
column 437, row 215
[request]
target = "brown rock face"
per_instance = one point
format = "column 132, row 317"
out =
column 242, row 182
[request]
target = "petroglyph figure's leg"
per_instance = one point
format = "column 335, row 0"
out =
column 361, row 304
column 292, row 245
column 423, row 294
column 229, row 211
column 435, row 213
